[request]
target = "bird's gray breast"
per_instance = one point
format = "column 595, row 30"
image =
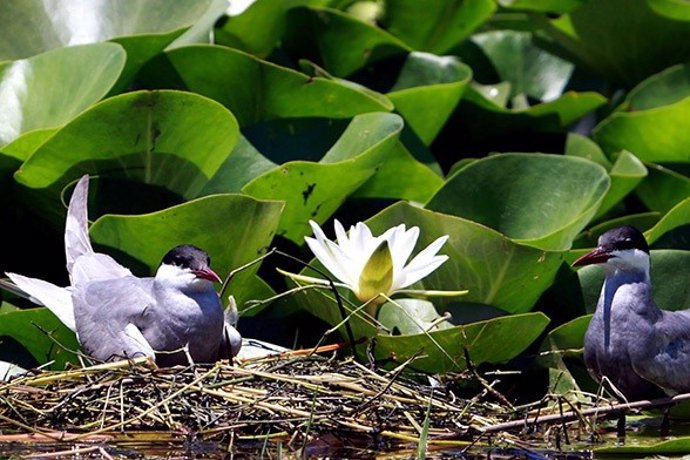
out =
column 178, row 319
column 632, row 329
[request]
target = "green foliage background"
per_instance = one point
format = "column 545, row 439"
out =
column 520, row 128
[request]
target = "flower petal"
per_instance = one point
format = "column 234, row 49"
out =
column 328, row 258
column 402, row 244
column 418, row 267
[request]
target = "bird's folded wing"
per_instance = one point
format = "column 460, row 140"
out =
column 667, row 362
column 110, row 316
column 77, row 242
column 97, row 267
column 56, row 298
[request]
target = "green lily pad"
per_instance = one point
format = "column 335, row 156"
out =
column 577, row 145
column 427, row 90
column 626, row 172
column 25, row 145
column 568, row 338
column 531, row 71
column 655, row 135
column 624, row 47
column 48, row 90
column 410, row 316
column 678, row 446
column 663, row 188
column 666, row 87
column 495, row 270
column 544, row 6
column 256, row 90
column 337, row 41
column 435, row 27
column 152, row 136
column 481, row 124
column 35, row 26
column 493, row 341
column 144, row 28
column 536, row 199
column 420, row 183
column 256, row 30
column 233, row 229
column 669, row 280
column 315, row 190
column 588, row 238
column 25, row 326
column 673, row 230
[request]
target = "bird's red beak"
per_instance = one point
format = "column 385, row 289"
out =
column 596, row 256
column 208, row 274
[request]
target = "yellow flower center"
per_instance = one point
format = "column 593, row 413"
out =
column 377, row 276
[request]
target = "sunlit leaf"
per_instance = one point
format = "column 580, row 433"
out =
column 48, row 90
column 540, row 200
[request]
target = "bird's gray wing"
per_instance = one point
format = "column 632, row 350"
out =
column 57, row 299
column 665, row 360
column 77, row 242
column 83, row 264
column 97, row 267
column 110, row 316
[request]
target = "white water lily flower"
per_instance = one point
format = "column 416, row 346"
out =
column 371, row 266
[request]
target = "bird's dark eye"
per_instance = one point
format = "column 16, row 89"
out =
column 626, row 243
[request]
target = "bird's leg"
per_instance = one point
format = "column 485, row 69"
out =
column 620, row 428
column 185, row 349
column 665, row 429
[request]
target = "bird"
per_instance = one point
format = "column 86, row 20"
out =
column 174, row 317
column 641, row 349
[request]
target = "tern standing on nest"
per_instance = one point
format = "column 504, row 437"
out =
column 639, row 347
column 173, row 317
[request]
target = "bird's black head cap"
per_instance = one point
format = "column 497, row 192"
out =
column 187, row 256
column 621, row 238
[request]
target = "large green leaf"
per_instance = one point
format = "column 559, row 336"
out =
column 155, row 137
column 33, row 329
column 625, row 47
column 436, row 27
column 427, row 90
column 338, row 42
column 256, row 30
column 315, row 190
column 233, row 229
column 495, row 270
column 669, row 280
column 537, row 199
column 48, row 90
column 545, row 6
column 531, row 71
column 492, row 341
column 31, row 27
column 673, row 230
column 677, row 447
column 402, row 176
column 626, row 172
column 664, row 88
column 256, row 90
column 663, row 188
column 482, row 124
column 143, row 27
column 655, row 135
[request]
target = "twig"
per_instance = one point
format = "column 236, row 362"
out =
column 573, row 415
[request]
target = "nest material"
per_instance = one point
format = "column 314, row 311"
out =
column 290, row 398
column 283, row 397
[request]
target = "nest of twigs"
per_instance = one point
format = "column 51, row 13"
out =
column 291, row 399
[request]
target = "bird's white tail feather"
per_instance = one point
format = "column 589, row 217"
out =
column 57, row 299
column 77, row 242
